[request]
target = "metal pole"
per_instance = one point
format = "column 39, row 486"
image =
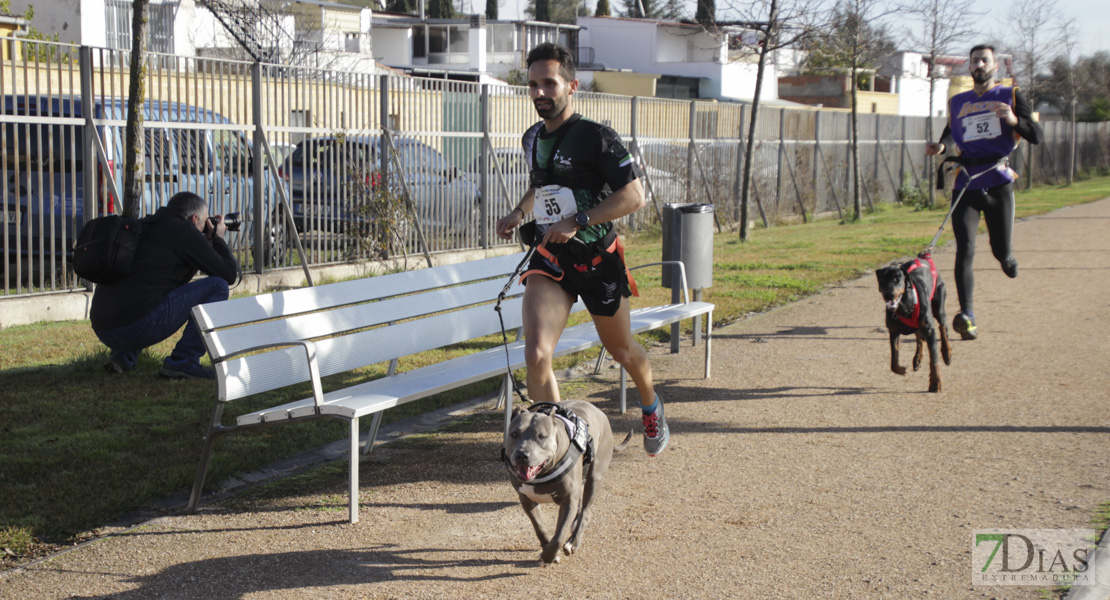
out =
column 483, row 169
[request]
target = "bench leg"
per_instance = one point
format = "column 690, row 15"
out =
column 600, row 361
column 373, row 435
column 506, row 393
column 205, row 458
column 352, row 494
column 508, row 408
column 708, row 341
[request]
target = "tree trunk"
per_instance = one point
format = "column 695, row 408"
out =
column 136, row 96
column 929, row 134
column 745, row 201
column 1072, row 146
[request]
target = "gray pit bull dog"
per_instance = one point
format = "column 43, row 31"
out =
column 558, row 454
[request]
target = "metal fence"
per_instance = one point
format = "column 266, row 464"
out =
column 331, row 166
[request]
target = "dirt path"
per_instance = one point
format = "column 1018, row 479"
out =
column 802, row 469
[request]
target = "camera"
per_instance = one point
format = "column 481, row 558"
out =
column 231, row 220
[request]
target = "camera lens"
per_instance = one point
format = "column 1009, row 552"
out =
column 231, row 221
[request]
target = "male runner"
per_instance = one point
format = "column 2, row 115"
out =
column 582, row 179
column 985, row 125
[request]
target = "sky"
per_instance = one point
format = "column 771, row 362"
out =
column 1093, row 22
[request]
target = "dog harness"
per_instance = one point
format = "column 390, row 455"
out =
column 914, row 319
column 581, row 443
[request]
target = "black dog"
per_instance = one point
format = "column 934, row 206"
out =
column 914, row 295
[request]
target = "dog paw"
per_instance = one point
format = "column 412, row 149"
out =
column 899, row 370
column 934, row 387
column 568, row 548
column 547, row 559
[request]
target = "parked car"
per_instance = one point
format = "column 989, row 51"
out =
column 45, row 159
column 329, row 179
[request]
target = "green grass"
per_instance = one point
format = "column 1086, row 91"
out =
column 80, row 448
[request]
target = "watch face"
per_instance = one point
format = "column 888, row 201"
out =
column 582, row 219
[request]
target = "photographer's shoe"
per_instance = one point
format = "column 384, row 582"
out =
column 656, row 432
column 965, row 326
column 119, row 363
column 187, row 371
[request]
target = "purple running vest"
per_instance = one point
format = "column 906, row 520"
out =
column 979, row 133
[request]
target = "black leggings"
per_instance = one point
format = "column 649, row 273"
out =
column 997, row 206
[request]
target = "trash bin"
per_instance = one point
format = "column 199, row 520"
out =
column 688, row 236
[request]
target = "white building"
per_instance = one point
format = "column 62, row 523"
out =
column 688, row 60
column 302, row 32
column 471, row 48
column 908, row 74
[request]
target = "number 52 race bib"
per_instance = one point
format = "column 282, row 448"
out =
column 553, row 203
column 982, row 126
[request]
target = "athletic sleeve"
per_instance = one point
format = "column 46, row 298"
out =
column 1026, row 127
column 616, row 162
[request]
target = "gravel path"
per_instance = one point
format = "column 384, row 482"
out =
column 803, row 468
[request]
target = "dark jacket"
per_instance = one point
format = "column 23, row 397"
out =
column 170, row 253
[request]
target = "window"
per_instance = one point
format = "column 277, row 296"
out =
column 437, row 39
column 351, row 42
column 460, row 40
column 419, row 43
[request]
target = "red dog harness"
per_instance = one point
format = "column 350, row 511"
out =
column 914, row 319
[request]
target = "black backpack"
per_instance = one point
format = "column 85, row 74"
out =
column 106, row 248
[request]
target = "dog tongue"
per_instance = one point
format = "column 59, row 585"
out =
column 892, row 304
column 527, row 473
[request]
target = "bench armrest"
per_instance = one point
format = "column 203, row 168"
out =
column 310, row 356
column 681, row 273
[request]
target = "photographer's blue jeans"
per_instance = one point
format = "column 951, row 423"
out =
column 126, row 342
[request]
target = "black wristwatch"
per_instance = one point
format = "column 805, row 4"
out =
column 582, row 219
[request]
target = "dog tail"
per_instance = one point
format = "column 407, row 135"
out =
column 624, row 444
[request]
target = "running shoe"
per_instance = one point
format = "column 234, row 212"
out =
column 656, row 432
column 1009, row 267
column 965, row 326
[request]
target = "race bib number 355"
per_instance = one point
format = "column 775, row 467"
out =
column 554, row 203
column 982, row 126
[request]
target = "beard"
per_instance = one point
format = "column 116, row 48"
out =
column 556, row 107
column 982, row 76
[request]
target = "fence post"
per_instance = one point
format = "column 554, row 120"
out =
column 816, row 158
column 782, row 152
column 635, row 149
column 690, row 155
column 738, row 180
column 257, row 158
column 89, row 141
column 483, row 168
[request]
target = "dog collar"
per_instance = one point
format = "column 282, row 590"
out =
column 581, row 444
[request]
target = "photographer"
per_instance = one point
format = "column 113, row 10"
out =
column 157, row 298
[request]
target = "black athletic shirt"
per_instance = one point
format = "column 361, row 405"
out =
column 590, row 159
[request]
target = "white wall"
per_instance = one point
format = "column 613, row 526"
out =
column 393, row 46
column 67, row 18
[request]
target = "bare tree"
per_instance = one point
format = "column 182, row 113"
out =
column 945, row 24
column 133, row 166
column 1032, row 41
column 1069, row 36
column 779, row 24
column 854, row 40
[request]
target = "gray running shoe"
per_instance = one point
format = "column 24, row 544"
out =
column 1009, row 267
column 656, row 432
column 965, row 326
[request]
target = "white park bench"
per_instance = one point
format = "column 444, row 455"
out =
column 263, row 343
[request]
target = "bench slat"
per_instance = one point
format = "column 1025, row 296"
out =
column 373, row 396
column 291, row 302
column 226, row 342
column 276, row 369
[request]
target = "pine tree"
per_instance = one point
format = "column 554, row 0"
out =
column 632, row 9
column 440, row 9
column 491, row 10
column 401, row 6
column 602, row 9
